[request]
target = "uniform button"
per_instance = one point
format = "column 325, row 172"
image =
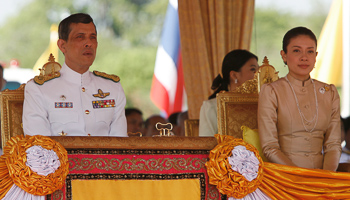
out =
column 307, row 106
column 83, row 89
column 303, row 89
column 307, row 139
column 307, row 155
column 87, row 112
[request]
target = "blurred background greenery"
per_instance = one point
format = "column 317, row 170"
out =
column 128, row 34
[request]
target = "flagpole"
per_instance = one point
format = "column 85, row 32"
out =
column 345, row 94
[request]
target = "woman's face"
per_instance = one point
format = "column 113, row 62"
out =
column 247, row 71
column 300, row 57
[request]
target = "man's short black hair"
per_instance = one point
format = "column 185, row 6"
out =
column 129, row 111
column 64, row 26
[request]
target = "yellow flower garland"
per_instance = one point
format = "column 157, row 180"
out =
column 219, row 170
column 14, row 170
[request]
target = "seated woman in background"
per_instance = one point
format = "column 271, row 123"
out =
column 299, row 117
column 238, row 66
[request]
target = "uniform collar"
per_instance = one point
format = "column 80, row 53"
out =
column 297, row 82
column 74, row 77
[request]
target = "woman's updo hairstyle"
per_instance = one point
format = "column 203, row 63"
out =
column 233, row 61
column 294, row 32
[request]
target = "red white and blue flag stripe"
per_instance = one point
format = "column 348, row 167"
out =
column 167, row 91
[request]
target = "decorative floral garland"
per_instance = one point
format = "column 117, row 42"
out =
column 246, row 159
column 15, row 158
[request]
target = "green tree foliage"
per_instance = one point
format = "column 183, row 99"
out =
column 270, row 25
column 128, row 33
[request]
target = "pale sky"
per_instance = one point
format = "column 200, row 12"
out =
column 294, row 6
column 12, row 7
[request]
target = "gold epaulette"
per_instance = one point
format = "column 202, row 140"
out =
column 41, row 79
column 111, row 77
column 49, row 71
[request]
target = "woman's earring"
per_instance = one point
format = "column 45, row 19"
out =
column 236, row 81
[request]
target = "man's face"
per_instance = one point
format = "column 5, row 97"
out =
column 134, row 122
column 80, row 48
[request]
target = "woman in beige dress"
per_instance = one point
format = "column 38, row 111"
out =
column 299, row 117
column 238, row 66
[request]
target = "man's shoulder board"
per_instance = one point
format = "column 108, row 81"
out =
column 111, row 77
column 41, row 79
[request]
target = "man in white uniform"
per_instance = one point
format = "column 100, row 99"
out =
column 78, row 102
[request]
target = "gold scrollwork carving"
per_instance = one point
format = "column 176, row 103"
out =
column 248, row 87
column 136, row 164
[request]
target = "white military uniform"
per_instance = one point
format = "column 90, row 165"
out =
column 67, row 105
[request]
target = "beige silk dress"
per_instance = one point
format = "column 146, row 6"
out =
column 283, row 134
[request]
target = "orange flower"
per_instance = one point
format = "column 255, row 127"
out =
column 228, row 181
column 20, row 174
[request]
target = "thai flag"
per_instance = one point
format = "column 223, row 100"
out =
column 167, row 91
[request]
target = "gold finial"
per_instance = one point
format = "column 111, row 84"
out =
column 51, row 58
column 267, row 73
column 266, row 61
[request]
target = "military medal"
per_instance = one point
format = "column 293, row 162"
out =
column 324, row 89
column 103, row 103
column 100, row 94
column 63, row 104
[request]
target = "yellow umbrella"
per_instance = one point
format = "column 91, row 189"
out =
column 329, row 64
column 52, row 48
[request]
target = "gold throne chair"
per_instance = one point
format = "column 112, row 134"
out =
column 11, row 113
column 240, row 108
